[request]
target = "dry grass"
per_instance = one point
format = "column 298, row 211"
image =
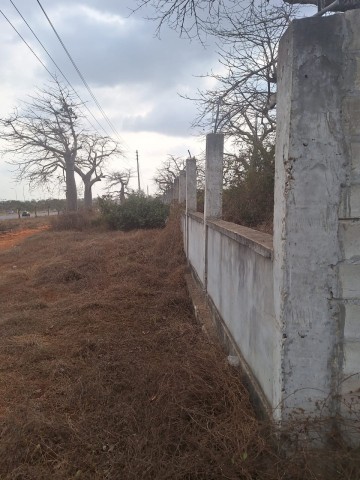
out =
column 106, row 375
column 81, row 220
column 23, row 223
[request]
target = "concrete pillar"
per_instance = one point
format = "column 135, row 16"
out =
column 182, row 187
column 213, row 187
column 176, row 190
column 167, row 196
column 317, row 212
column 214, row 175
column 191, row 200
column 170, row 194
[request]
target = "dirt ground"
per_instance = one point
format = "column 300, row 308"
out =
column 105, row 373
column 12, row 239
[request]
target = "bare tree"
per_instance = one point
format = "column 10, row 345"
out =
column 171, row 168
column 91, row 160
column 242, row 103
column 192, row 17
column 117, row 183
column 43, row 138
column 168, row 171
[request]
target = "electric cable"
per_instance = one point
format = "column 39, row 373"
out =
column 79, row 73
column 45, row 67
column 23, row 39
column 63, row 75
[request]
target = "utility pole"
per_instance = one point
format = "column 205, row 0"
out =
column 138, row 170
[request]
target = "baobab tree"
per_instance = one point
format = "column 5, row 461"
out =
column 91, row 160
column 45, row 139
column 42, row 138
column 118, row 182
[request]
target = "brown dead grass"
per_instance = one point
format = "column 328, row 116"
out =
column 106, row 375
column 14, row 238
column 24, row 223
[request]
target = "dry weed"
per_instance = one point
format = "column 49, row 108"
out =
column 106, row 375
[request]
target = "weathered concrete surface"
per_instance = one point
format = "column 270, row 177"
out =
column 349, row 230
column 182, row 187
column 317, row 205
column 196, row 244
column 167, row 197
column 217, row 332
column 292, row 313
column 260, row 242
column 240, row 284
column 213, row 175
column 176, row 190
column 191, row 200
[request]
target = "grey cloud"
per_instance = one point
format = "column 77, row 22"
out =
column 169, row 116
column 110, row 55
column 123, row 56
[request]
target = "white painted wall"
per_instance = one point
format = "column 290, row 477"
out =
column 240, row 284
column 196, row 244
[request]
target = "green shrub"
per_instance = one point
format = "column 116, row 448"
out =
column 136, row 212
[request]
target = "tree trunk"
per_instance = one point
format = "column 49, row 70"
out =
column 87, row 194
column 71, row 193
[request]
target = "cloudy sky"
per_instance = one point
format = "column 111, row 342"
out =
column 136, row 76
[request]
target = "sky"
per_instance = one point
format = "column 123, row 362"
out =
column 137, row 77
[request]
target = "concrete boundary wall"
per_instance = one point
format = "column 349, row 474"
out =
column 196, row 244
column 240, row 285
column 240, row 294
column 289, row 306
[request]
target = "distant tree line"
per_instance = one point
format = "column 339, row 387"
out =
column 33, row 206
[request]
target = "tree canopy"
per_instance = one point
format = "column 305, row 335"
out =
column 190, row 17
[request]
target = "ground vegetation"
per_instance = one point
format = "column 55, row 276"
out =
column 106, row 374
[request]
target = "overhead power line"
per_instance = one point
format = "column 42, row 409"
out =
column 79, row 73
column 23, row 39
column 57, row 66
column 45, row 67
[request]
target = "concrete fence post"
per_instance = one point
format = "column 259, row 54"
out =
column 176, row 190
column 171, row 194
column 167, row 196
column 191, row 201
column 213, row 187
column 213, row 175
column 317, row 215
column 182, row 187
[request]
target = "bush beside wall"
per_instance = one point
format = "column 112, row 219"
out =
column 136, row 212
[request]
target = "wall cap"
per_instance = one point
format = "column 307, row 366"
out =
column 199, row 217
column 260, row 242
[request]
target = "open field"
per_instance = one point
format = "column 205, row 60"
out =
column 24, row 223
column 106, row 375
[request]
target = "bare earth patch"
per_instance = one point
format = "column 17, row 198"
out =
column 105, row 373
column 11, row 239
